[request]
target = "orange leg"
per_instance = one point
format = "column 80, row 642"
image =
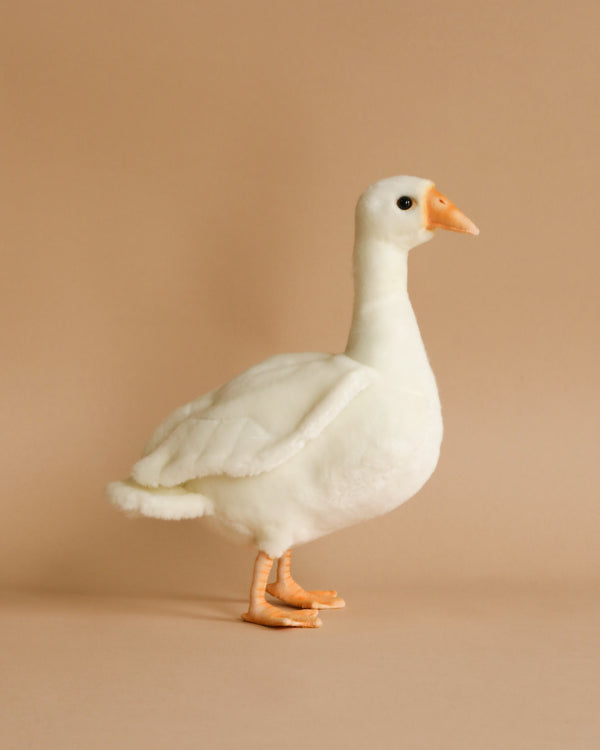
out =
column 263, row 613
column 287, row 590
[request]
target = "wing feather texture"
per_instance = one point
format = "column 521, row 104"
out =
column 256, row 422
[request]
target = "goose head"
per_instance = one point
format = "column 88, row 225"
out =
column 405, row 211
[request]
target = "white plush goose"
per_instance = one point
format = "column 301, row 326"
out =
column 304, row 444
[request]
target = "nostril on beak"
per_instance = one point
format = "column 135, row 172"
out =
column 442, row 201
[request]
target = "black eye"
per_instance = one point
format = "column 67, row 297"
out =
column 404, row 203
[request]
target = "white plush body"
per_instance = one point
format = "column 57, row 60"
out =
column 305, row 444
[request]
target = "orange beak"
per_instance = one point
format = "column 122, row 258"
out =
column 440, row 213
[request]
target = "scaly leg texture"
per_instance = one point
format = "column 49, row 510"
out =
column 263, row 613
column 287, row 590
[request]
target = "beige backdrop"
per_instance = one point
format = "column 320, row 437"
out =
column 178, row 191
column 177, row 195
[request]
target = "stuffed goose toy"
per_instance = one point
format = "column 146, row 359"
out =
column 304, row 444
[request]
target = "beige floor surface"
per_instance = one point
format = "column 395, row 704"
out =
column 480, row 667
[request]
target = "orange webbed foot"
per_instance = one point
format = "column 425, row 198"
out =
column 267, row 614
column 296, row 596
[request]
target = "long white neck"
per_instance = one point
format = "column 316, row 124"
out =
column 384, row 332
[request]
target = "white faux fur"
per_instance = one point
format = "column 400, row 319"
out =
column 304, row 444
column 254, row 423
column 168, row 503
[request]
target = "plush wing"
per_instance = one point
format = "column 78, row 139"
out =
column 255, row 422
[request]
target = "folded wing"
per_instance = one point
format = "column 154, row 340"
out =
column 255, row 422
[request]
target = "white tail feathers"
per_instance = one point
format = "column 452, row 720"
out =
column 168, row 503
